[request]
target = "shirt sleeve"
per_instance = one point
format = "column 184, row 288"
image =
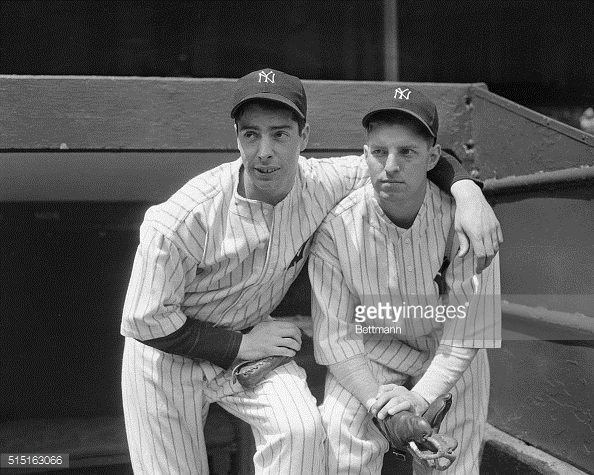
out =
column 156, row 288
column 474, row 304
column 448, row 171
column 332, row 305
column 201, row 341
column 339, row 176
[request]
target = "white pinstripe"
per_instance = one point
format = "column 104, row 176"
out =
column 209, row 254
column 359, row 257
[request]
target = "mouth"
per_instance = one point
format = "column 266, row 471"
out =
column 266, row 170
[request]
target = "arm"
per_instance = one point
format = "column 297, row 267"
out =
column 477, row 324
column 152, row 310
column 475, row 219
column 153, row 315
column 440, row 377
column 448, row 171
column 199, row 340
column 333, row 307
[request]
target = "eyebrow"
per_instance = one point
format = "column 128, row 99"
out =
column 273, row 128
column 400, row 146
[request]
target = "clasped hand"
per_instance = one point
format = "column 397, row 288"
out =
column 272, row 338
column 392, row 398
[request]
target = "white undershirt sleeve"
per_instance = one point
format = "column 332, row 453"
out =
column 444, row 371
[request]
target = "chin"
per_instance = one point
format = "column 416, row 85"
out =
column 391, row 197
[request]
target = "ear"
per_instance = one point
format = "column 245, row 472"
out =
column 304, row 137
column 367, row 153
column 239, row 147
column 434, row 154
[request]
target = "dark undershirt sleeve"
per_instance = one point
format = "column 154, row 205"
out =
column 200, row 340
column 448, row 171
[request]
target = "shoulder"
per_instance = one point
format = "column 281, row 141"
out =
column 349, row 211
column 326, row 168
column 192, row 203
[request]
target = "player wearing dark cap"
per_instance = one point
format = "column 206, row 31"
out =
column 389, row 314
column 213, row 262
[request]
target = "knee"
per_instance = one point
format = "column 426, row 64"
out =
column 304, row 427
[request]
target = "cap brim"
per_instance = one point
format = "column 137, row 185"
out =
column 269, row 96
column 369, row 115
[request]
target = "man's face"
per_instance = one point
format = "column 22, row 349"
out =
column 270, row 144
column 398, row 159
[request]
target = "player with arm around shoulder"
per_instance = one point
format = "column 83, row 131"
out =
column 213, row 262
column 391, row 342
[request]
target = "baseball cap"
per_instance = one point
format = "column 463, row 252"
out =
column 272, row 85
column 405, row 99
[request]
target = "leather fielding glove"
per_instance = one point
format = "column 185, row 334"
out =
column 250, row 373
column 419, row 434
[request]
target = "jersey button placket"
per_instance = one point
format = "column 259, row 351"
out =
column 408, row 255
column 272, row 256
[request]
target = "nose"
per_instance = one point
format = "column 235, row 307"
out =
column 265, row 149
column 392, row 164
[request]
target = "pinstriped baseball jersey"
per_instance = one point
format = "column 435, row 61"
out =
column 360, row 258
column 210, row 254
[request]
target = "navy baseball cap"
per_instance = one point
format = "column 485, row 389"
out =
column 405, row 99
column 272, row 85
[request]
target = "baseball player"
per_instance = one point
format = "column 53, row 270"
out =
column 390, row 343
column 213, row 261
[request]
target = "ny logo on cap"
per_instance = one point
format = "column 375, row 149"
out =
column 401, row 93
column 266, row 76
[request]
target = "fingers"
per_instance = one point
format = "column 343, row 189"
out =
column 283, row 351
column 393, row 406
column 484, row 250
column 464, row 244
column 271, row 339
column 290, row 343
column 287, row 329
column 386, row 387
column 281, row 330
column 387, row 396
column 499, row 234
column 282, row 347
column 481, row 263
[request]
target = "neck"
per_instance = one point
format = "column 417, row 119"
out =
column 246, row 189
column 403, row 212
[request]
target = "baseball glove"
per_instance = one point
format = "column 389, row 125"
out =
column 419, row 435
column 250, row 373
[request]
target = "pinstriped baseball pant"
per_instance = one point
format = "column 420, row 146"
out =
column 166, row 400
column 355, row 446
